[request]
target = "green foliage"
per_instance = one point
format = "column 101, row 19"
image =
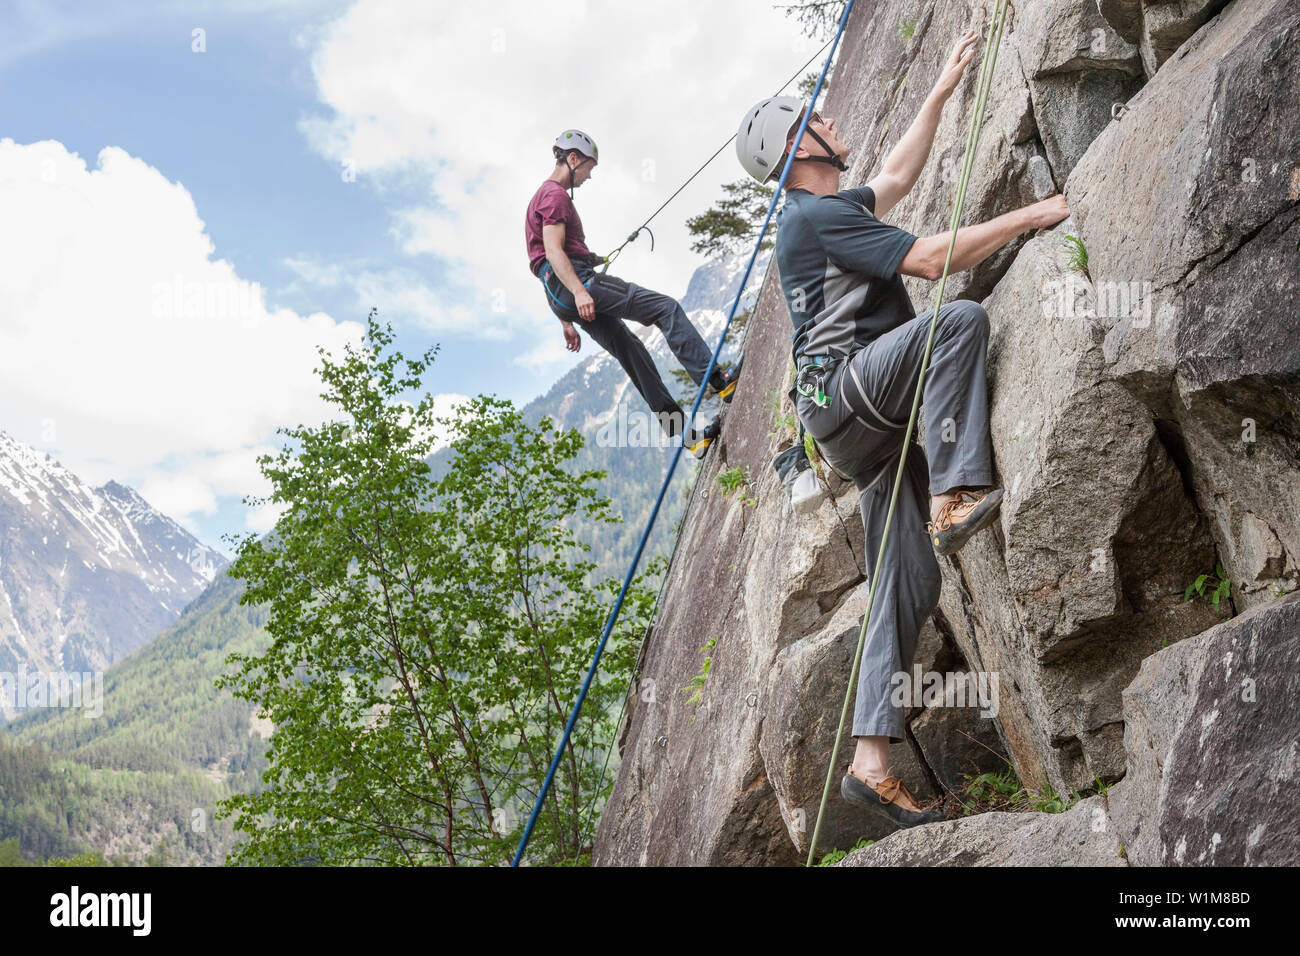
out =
column 687, row 387
column 990, row 786
column 731, row 479
column 834, row 856
column 907, row 29
column 816, row 18
column 168, row 743
column 732, row 223
column 736, row 479
column 1078, row 254
column 696, row 684
column 814, row 459
column 808, row 83
column 93, row 858
column 1047, row 800
column 11, row 853
column 427, row 636
column 1220, row 587
column 1099, row 785
column 783, row 422
column 990, row 791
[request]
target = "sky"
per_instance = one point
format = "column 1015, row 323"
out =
column 196, row 196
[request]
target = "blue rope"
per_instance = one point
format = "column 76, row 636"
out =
column 677, row 455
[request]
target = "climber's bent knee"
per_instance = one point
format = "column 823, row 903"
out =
column 966, row 316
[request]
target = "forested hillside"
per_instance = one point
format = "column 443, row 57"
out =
column 145, row 776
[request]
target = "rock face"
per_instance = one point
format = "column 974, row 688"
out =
column 1158, row 27
column 1081, row 836
column 1213, row 750
column 1145, row 418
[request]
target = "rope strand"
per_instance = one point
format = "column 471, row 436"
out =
column 972, row 139
column 635, row 232
column 677, row 455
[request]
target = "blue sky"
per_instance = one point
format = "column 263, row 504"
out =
column 336, row 154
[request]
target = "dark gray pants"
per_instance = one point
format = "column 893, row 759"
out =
column 616, row 300
column 861, row 436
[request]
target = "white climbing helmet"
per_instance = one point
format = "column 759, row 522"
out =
column 760, row 142
column 576, row 139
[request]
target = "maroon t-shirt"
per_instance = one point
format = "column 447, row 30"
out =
column 551, row 204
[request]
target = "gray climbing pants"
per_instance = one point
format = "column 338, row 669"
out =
column 615, row 300
column 861, row 436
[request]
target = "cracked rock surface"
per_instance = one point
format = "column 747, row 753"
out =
column 1145, row 419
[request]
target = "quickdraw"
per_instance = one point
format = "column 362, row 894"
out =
column 811, row 380
column 609, row 259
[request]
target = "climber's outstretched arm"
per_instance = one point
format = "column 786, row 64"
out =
column 977, row 243
column 906, row 160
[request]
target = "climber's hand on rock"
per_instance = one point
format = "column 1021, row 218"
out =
column 1049, row 212
column 958, row 60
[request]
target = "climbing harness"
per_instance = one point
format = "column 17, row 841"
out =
column 811, row 380
column 972, row 140
column 672, row 466
column 545, row 274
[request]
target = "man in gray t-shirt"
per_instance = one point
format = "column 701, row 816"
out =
column 858, row 345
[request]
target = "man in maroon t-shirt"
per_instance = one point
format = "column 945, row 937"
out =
column 558, row 255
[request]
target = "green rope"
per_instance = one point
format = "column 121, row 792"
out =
column 972, row 139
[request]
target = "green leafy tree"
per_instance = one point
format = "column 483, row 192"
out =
column 11, row 854
column 816, row 18
column 427, row 636
column 808, row 83
column 732, row 223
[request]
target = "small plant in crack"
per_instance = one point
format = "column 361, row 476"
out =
column 834, row 856
column 783, row 420
column 736, row 479
column 697, row 683
column 1213, row 588
column 1078, row 254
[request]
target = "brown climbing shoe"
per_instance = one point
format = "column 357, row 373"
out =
column 960, row 517
column 891, row 799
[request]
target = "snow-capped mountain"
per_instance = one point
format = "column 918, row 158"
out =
column 87, row 575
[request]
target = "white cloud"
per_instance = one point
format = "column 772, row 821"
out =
column 126, row 349
column 466, row 100
column 550, row 352
column 401, row 294
column 179, row 494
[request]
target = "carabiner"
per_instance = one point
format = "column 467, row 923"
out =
column 809, row 384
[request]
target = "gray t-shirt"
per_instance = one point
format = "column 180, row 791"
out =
column 839, row 271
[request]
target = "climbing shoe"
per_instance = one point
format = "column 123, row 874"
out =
column 890, row 799
column 726, row 386
column 699, row 441
column 960, row 517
